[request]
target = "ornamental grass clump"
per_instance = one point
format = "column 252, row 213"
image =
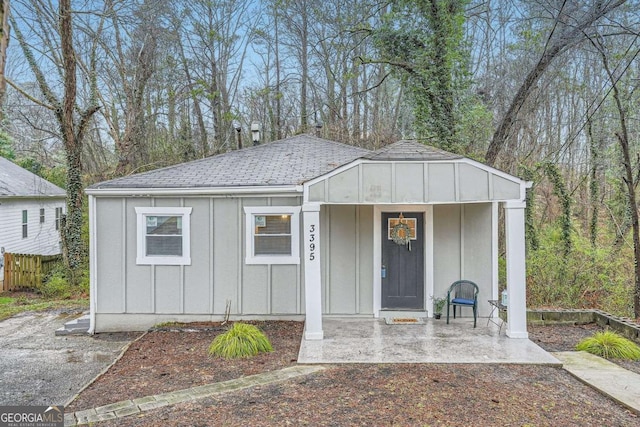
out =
column 610, row 345
column 241, row 341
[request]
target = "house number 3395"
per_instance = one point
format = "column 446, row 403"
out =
column 312, row 242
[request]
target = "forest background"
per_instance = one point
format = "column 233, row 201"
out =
column 543, row 89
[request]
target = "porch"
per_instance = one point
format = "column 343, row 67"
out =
column 370, row 340
column 450, row 206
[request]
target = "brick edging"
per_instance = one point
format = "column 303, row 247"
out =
column 624, row 326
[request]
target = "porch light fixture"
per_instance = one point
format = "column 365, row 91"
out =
column 255, row 133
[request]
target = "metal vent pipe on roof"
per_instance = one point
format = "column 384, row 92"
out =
column 255, row 133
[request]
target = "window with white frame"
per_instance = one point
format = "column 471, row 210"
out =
column 272, row 234
column 58, row 217
column 25, row 224
column 163, row 236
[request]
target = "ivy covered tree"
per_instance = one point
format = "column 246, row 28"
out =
column 424, row 41
column 73, row 120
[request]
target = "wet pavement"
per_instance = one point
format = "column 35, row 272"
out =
column 39, row 368
column 368, row 340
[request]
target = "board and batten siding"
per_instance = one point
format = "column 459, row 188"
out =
column 347, row 259
column 461, row 249
column 217, row 273
column 462, row 236
column 42, row 238
column 414, row 182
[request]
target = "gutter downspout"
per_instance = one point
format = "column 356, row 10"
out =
column 93, row 295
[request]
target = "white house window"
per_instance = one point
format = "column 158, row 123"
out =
column 41, row 215
column 272, row 234
column 25, row 224
column 58, row 217
column 164, row 236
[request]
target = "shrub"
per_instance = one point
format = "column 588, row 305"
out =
column 587, row 277
column 610, row 345
column 240, row 341
column 56, row 286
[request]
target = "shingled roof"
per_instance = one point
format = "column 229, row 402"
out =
column 410, row 150
column 19, row 182
column 290, row 161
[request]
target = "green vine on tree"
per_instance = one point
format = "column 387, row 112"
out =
column 560, row 190
column 594, row 185
column 531, row 233
column 423, row 40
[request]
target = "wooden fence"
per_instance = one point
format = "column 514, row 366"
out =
column 23, row 271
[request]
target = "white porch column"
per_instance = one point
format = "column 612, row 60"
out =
column 312, row 273
column 516, row 270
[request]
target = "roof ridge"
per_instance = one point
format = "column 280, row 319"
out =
column 413, row 150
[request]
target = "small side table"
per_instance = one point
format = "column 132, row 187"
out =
column 496, row 305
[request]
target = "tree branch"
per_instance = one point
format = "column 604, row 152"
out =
column 28, row 96
column 570, row 35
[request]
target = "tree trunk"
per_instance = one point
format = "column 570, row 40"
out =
column 4, row 43
column 304, row 63
column 628, row 178
column 74, row 250
column 278, row 118
column 594, row 184
column 571, row 34
column 73, row 123
column 204, row 146
column 441, row 101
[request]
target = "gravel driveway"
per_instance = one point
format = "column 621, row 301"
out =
column 39, row 368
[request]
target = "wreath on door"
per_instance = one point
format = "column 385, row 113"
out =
column 401, row 234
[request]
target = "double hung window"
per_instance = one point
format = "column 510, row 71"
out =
column 25, row 224
column 273, row 234
column 58, row 217
column 164, row 236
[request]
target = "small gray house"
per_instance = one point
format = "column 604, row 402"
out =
column 302, row 228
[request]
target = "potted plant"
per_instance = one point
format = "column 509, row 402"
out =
column 438, row 305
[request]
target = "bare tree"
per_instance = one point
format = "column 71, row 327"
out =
column 216, row 36
column 127, row 66
column 72, row 120
column 4, row 43
column 631, row 176
column 571, row 22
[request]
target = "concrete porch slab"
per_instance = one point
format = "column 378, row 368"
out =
column 369, row 340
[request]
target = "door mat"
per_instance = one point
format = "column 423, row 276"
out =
column 404, row 320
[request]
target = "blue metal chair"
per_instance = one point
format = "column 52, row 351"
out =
column 463, row 293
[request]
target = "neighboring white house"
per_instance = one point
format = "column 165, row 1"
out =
column 301, row 228
column 30, row 211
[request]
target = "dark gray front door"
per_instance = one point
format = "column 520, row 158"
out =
column 403, row 265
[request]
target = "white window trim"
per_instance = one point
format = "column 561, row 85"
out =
column 142, row 258
column 251, row 213
column 24, row 229
column 58, row 217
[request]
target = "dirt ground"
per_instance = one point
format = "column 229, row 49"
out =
column 390, row 394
